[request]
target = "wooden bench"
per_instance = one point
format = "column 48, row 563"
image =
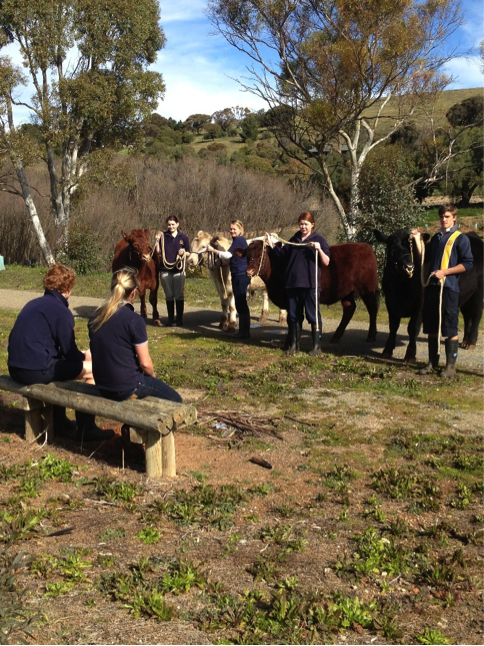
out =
column 152, row 421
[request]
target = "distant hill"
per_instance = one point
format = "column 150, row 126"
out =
column 446, row 100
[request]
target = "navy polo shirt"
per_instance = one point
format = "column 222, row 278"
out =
column 238, row 266
column 114, row 361
column 300, row 261
column 43, row 333
column 172, row 247
column 461, row 254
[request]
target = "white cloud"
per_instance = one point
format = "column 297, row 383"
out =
column 466, row 71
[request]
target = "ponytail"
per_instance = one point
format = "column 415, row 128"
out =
column 123, row 283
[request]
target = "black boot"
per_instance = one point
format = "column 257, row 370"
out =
column 316, row 337
column 298, row 335
column 180, row 306
column 291, row 337
column 62, row 424
column 244, row 327
column 434, row 356
column 87, row 431
column 170, row 308
column 451, row 349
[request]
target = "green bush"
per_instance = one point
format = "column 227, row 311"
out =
column 83, row 252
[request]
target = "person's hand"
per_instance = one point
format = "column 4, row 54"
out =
column 439, row 274
column 158, row 235
column 181, row 252
column 212, row 249
column 316, row 245
column 269, row 240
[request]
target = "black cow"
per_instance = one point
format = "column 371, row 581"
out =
column 402, row 286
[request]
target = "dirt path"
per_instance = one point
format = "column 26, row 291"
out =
column 272, row 333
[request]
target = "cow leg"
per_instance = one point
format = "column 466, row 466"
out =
column 472, row 313
column 143, row 309
column 413, row 330
column 283, row 317
column 372, row 302
column 349, row 307
column 232, row 314
column 154, row 305
column 265, row 307
column 394, row 324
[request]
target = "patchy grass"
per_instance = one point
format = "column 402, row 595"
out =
column 367, row 528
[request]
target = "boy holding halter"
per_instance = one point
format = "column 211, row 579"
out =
column 449, row 255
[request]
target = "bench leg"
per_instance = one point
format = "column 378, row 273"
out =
column 33, row 418
column 154, row 467
column 168, row 455
column 48, row 414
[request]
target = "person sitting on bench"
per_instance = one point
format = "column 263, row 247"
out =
column 42, row 348
column 121, row 361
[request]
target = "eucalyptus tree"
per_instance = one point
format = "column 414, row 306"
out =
column 86, row 64
column 339, row 74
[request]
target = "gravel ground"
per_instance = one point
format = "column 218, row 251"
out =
column 353, row 343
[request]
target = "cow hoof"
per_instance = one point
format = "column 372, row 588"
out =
column 371, row 339
column 467, row 346
column 157, row 322
column 409, row 360
column 335, row 339
column 387, row 355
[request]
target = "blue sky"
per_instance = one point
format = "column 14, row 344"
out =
column 199, row 68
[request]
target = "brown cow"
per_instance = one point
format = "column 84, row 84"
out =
column 352, row 269
column 134, row 250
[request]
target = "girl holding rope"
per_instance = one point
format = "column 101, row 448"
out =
column 238, row 273
column 449, row 255
column 304, row 255
column 173, row 247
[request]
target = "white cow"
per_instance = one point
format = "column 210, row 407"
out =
column 221, row 277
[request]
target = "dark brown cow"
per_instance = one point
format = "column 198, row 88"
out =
column 134, row 250
column 352, row 269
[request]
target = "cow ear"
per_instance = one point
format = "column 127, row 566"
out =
column 425, row 236
column 200, row 234
column 147, row 231
column 125, row 236
column 381, row 237
column 239, row 252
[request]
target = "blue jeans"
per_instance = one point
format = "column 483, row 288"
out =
column 149, row 387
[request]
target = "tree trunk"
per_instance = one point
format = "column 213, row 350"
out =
column 29, row 203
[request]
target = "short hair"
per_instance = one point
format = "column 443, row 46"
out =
column 172, row 217
column 238, row 224
column 59, row 278
column 309, row 217
column 451, row 208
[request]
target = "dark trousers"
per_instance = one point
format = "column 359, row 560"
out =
column 149, row 387
column 239, row 288
column 302, row 300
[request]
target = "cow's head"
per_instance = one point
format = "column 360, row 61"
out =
column 139, row 242
column 198, row 248
column 253, row 253
column 402, row 252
